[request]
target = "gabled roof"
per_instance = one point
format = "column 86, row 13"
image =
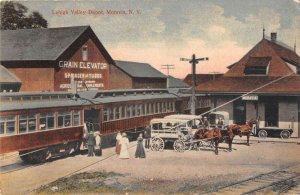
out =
column 7, row 77
column 264, row 54
column 139, row 70
column 40, row 43
column 266, row 49
column 177, row 83
column 286, row 54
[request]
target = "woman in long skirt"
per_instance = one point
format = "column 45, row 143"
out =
column 140, row 151
column 118, row 145
column 124, row 154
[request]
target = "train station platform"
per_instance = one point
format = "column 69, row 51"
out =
column 238, row 139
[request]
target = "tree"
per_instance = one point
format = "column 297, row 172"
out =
column 14, row 16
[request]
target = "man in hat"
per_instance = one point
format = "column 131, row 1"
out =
column 147, row 136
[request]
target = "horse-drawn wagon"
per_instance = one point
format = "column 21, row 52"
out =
column 186, row 132
column 168, row 130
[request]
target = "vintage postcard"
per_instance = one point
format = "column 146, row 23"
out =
column 150, row 97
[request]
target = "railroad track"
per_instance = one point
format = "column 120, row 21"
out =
column 277, row 182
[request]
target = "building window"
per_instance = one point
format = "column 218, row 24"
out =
column 27, row 123
column 257, row 66
column 105, row 115
column 64, row 119
column 84, row 53
column 46, row 121
column 7, row 125
column 76, row 117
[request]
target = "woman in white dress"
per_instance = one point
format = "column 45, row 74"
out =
column 118, row 145
column 124, row 154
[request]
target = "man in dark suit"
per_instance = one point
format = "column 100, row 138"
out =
column 91, row 141
column 147, row 136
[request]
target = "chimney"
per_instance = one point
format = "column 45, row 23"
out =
column 273, row 36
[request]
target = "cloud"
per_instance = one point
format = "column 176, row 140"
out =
column 165, row 32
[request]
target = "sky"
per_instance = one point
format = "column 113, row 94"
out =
column 160, row 32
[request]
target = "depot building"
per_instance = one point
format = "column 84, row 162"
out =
column 264, row 84
column 68, row 58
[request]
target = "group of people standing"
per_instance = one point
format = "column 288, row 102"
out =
column 122, row 144
column 93, row 140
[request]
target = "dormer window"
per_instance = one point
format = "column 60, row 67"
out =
column 257, row 66
column 84, row 53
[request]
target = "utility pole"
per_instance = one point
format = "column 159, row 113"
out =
column 168, row 67
column 193, row 61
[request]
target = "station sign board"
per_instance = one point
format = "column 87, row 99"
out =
column 81, row 75
column 250, row 97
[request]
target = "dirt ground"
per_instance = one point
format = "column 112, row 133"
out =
column 161, row 172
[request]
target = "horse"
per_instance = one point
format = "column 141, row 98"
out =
column 242, row 129
column 213, row 135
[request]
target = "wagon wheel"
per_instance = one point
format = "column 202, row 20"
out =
column 262, row 134
column 179, row 146
column 285, row 134
column 157, row 144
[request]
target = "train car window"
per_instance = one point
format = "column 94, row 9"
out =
column 128, row 111
column 76, row 117
column 7, row 125
column 46, row 97
column 149, row 109
column 64, row 119
column 105, row 115
column 36, row 97
column 111, row 114
column 27, row 123
column 46, row 121
column 145, row 109
column 4, row 99
column 123, row 108
column 157, row 107
column 26, row 98
column 138, row 110
column 153, row 108
column 16, row 98
column 142, row 109
column 164, row 107
column 54, row 97
column 133, row 113
column 117, row 113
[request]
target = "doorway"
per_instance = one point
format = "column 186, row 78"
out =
column 239, row 112
column 271, row 113
column 94, row 117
